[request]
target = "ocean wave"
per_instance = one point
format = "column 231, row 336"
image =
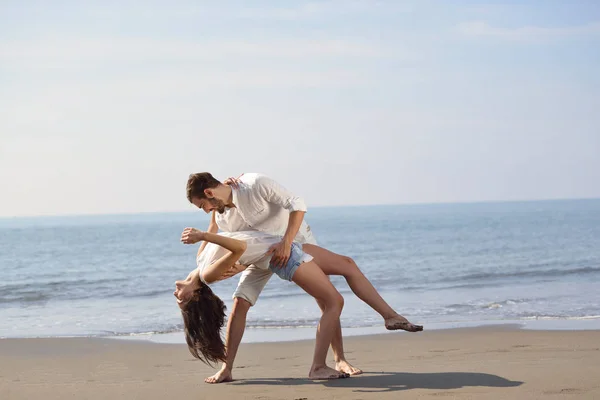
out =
column 74, row 289
column 37, row 292
column 27, row 297
column 148, row 333
column 530, row 273
column 147, row 293
column 468, row 286
column 492, row 305
column 281, row 323
column 148, row 330
column 342, row 288
column 484, row 280
column 560, row 317
column 481, row 280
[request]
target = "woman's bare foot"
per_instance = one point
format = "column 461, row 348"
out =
column 224, row 375
column 326, row 373
column 399, row 322
column 344, row 366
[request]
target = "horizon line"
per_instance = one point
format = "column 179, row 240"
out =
column 129, row 213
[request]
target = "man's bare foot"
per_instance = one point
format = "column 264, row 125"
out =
column 344, row 366
column 399, row 322
column 326, row 373
column 224, row 375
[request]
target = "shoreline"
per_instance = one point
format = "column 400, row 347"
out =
column 291, row 334
column 276, row 335
column 490, row 362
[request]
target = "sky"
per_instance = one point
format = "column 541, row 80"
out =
column 108, row 106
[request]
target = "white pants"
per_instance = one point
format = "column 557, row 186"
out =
column 252, row 282
column 254, row 279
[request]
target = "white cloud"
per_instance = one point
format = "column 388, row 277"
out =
column 59, row 52
column 526, row 33
column 295, row 11
column 323, row 8
column 62, row 106
column 495, row 9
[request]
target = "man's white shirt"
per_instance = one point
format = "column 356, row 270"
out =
column 262, row 204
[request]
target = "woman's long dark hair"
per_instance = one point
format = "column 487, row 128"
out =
column 203, row 318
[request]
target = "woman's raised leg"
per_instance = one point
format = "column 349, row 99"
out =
column 335, row 264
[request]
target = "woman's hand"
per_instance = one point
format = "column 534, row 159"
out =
column 233, row 182
column 191, row 236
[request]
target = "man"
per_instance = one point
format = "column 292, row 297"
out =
column 259, row 203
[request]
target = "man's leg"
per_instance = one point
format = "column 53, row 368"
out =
column 252, row 282
column 236, row 325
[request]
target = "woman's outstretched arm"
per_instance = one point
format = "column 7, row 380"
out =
column 212, row 228
column 235, row 250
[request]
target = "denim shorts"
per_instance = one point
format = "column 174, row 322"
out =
column 297, row 257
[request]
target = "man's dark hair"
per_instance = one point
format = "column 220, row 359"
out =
column 197, row 183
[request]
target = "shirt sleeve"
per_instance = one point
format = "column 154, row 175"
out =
column 273, row 192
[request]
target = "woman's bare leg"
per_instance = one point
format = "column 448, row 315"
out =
column 337, row 346
column 335, row 264
column 314, row 282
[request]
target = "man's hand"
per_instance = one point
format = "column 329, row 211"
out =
column 236, row 269
column 191, row 236
column 233, row 182
column 281, row 253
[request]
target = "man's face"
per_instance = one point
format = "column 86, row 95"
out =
column 209, row 204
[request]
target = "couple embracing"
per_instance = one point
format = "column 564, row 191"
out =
column 263, row 232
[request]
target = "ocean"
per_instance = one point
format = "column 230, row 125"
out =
column 438, row 264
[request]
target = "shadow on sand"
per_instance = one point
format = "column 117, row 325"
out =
column 394, row 381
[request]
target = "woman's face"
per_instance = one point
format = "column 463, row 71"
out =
column 182, row 293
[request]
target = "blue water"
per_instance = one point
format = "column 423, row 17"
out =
column 437, row 264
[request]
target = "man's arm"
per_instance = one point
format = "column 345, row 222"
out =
column 281, row 251
column 294, row 223
column 275, row 193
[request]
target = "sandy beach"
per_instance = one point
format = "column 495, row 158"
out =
column 480, row 363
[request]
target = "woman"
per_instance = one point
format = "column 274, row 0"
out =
column 203, row 312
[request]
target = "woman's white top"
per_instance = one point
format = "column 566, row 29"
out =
column 257, row 245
